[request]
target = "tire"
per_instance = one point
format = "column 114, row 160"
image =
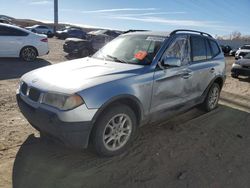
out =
column 109, row 126
column 212, row 98
column 28, row 53
column 84, row 53
column 234, row 75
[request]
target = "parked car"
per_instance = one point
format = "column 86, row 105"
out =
column 136, row 79
column 242, row 51
column 226, row 49
column 71, row 33
column 241, row 67
column 80, row 47
column 19, row 42
column 41, row 29
column 95, row 41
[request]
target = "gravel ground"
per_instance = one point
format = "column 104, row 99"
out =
column 191, row 150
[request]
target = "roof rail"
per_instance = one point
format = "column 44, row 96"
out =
column 193, row 31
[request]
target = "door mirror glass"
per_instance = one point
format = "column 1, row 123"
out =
column 172, row 62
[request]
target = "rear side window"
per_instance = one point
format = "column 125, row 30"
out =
column 209, row 52
column 215, row 48
column 8, row 31
column 198, row 47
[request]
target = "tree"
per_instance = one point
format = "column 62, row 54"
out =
column 235, row 35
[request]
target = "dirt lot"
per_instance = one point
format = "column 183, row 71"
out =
column 191, row 150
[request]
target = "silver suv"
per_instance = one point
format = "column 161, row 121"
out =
column 136, row 79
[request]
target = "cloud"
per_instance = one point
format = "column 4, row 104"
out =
column 174, row 22
column 118, row 9
column 40, row 2
column 148, row 14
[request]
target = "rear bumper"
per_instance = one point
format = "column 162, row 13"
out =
column 72, row 134
column 240, row 71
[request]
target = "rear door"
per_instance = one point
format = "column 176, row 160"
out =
column 202, row 64
column 11, row 41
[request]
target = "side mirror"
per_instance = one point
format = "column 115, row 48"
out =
column 171, row 62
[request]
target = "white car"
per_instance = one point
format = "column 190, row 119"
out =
column 41, row 29
column 242, row 51
column 18, row 42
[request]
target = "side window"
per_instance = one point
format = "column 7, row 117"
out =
column 178, row 49
column 209, row 52
column 198, row 47
column 215, row 48
column 8, row 31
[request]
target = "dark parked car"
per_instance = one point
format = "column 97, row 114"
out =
column 241, row 67
column 80, row 47
column 95, row 41
column 71, row 32
column 226, row 49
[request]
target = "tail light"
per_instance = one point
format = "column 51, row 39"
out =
column 44, row 40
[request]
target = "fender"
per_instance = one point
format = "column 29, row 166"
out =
column 119, row 99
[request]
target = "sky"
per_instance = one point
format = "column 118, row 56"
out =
column 218, row 17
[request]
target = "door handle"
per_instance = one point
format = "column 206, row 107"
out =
column 212, row 70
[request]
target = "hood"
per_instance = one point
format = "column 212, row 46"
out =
column 74, row 40
column 242, row 50
column 243, row 62
column 76, row 75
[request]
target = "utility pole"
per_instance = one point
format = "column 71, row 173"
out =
column 55, row 15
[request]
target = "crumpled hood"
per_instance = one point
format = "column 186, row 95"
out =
column 243, row 62
column 76, row 75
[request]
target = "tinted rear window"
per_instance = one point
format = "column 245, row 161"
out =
column 198, row 48
column 215, row 48
column 9, row 31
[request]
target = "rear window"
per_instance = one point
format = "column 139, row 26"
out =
column 198, row 48
column 215, row 48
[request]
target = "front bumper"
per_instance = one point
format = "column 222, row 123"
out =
column 72, row 134
column 70, row 50
column 240, row 71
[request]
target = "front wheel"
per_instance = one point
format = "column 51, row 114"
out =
column 114, row 130
column 28, row 53
column 212, row 98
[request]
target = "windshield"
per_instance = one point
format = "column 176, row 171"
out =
column 134, row 49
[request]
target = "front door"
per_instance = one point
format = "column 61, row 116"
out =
column 172, row 85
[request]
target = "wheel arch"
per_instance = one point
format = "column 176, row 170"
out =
column 30, row 47
column 128, row 100
column 219, row 79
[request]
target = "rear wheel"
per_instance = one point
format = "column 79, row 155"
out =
column 114, row 130
column 212, row 98
column 28, row 53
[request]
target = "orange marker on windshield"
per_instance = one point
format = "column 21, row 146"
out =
column 141, row 55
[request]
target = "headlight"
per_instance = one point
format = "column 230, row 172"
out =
column 235, row 65
column 62, row 102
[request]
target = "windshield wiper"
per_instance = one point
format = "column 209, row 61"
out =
column 116, row 59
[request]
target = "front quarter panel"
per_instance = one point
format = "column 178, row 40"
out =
column 138, row 87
